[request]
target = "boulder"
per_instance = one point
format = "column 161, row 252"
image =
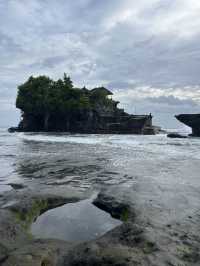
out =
column 17, row 186
column 176, row 135
column 13, row 129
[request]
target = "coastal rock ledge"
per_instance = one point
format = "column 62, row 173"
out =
column 138, row 241
column 191, row 120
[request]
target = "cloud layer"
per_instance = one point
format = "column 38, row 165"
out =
column 147, row 52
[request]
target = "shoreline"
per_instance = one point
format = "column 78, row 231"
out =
column 145, row 182
column 137, row 241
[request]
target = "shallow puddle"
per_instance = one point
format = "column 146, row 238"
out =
column 80, row 221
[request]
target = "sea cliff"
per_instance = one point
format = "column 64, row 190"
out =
column 191, row 120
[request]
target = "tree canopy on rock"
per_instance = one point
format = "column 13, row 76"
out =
column 46, row 99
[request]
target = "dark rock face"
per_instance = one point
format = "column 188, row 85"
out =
column 117, row 209
column 113, row 121
column 191, row 120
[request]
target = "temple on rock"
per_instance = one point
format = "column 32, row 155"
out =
column 48, row 105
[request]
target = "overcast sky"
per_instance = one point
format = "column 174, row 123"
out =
column 147, row 52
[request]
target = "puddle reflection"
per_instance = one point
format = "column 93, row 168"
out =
column 80, row 221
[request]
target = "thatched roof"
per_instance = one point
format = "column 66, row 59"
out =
column 102, row 89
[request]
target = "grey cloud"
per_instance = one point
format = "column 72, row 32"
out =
column 163, row 109
column 49, row 62
column 122, row 44
column 173, row 101
column 7, row 44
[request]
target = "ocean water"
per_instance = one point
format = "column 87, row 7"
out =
column 160, row 176
column 94, row 161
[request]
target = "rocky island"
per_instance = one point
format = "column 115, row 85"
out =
column 58, row 106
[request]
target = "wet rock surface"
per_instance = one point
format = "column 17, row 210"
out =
column 16, row 185
column 176, row 136
column 138, row 241
column 3, row 253
column 127, row 246
column 38, row 253
column 116, row 207
column 17, row 212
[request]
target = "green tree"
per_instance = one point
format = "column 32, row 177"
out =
column 32, row 95
column 47, row 100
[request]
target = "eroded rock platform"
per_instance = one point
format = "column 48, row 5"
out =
column 138, row 241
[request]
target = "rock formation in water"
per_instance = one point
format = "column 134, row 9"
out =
column 191, row 120
column 48, row 105
column 176, row 136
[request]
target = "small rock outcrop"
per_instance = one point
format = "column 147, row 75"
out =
column 191, row 120
column 176, row 136
column 55, row 106
column 13, row 129
column 116, row 208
